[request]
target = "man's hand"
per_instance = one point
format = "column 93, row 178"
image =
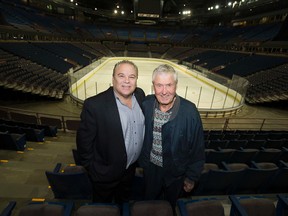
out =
column 188, row 185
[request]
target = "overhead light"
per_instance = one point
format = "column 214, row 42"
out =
column 186, row 12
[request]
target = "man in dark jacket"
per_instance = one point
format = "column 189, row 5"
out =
column 173, row 155
column 110, row 135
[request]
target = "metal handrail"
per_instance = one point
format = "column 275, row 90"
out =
column 209, row 123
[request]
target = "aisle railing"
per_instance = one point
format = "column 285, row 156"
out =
column 71, row 123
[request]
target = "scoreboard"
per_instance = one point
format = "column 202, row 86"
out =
column 148, row 9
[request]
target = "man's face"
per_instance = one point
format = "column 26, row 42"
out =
column 124, row 80
column 165, row 88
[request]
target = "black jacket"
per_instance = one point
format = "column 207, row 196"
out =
column 182, row 141
column 100, row 142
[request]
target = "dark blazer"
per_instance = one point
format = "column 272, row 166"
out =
column 182, row 141
column 99, row 139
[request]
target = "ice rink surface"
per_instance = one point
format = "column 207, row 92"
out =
column 192, row 86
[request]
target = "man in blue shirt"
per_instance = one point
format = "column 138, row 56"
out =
column 110, row 135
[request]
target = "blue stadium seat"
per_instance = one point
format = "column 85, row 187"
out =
column 148, row 207
column 99, row 209
column 248, row 205
column 11, row 141
column 70, row 183
column 7, row 211
column 40, row 208
column 282, row 205
column 200, row 207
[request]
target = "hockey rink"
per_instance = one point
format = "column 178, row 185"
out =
column 203, row 92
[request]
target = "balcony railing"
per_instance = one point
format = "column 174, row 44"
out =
column 71, row 123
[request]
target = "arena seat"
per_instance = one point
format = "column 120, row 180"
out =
column 70, row 183
column 201, row 207
column 267, row 155
column 277, row 183
column 148, row 207
column 47, row 209
column 282, row 205
column 255, row 144
column 98, row 209
column 11, row 141
column 216, row 182
column 230, row 136
column 274, row 143
column 256, row 206
column 242, row 155
column 236, row 144
column 246, row 136
column 253, row 179
column 216, row 144
column 40, row 208
column 217, row 156
column 7, row 211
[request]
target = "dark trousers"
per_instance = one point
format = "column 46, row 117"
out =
column 156, row 188
column 116, row 191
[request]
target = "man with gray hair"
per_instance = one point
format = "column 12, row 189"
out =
column 173, row 154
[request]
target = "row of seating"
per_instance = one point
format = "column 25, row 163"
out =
column 72, row 182
column 267, row 85
column 245, row 135
column 240, row 206
column 32, row 134
column 246, row 155
column 236, row 178
column 251, row 144
column 58, row 208
column 28, row 77
column 49, row 130
column 14, row 134
column 51, row 124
